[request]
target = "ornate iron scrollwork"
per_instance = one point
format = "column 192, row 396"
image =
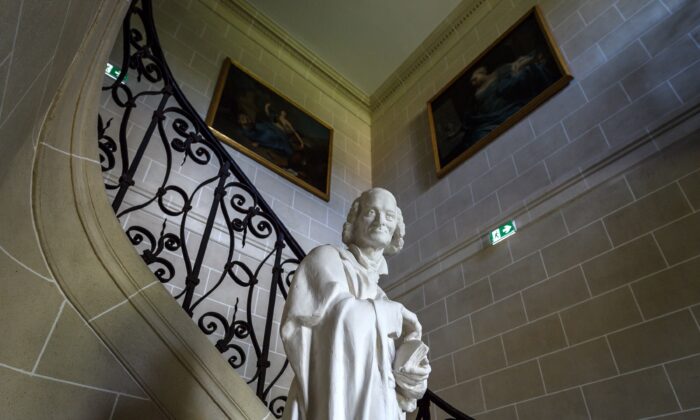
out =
column 163, row 219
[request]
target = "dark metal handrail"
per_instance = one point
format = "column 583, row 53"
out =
column 235, row 204
column 431, row 397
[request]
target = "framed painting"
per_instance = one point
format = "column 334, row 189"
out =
column 512, row 77
column 272, row 129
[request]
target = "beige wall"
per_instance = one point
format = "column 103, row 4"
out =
column 52, row 364
column 591, row 309
column 632, row 63
column 84, row 333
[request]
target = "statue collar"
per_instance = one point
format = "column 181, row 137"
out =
column 378, row 266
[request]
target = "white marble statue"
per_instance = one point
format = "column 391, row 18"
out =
column 356, row 354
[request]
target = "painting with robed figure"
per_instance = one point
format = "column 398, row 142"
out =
column 263, row 124
column 517, row 73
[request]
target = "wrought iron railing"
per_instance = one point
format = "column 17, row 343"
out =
column 431, row 398
column 189, row 217
column 226, row 200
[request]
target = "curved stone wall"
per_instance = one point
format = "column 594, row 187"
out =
column 85, row 336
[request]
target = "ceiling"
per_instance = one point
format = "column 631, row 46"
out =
column 364, row 40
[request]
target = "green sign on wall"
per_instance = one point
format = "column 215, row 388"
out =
column 113, row 72
column 502, row 232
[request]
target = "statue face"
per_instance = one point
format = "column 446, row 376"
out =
column 376, row 220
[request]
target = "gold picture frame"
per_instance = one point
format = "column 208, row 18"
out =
column 265, row 125
column 516, row 74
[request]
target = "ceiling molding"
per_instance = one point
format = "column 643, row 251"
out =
column 417, row 64
column 422, row 58
column 279, row 36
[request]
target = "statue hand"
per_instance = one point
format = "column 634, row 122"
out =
column 418, row 372
column 412, row 330
column 412, row 380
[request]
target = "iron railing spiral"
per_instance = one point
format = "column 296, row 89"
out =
column 224, row 204
column 232, row 205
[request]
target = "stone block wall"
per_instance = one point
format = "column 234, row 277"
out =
column 591, row 309
column 52, row 364
column 634, row 64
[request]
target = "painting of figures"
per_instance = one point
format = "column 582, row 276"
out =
column 263, row 124
column 517, row 73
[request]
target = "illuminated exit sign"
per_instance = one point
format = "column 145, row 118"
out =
column 114, row 71
column 502, row 232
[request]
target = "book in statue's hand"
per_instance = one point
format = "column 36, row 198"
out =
column 410, row 357
column 411, row 369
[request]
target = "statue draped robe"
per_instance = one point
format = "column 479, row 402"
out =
column 338, row 330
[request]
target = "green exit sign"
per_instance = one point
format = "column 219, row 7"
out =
column 114, row 72
column 502, row 232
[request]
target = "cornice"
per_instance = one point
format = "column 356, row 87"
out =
column 422, row 59
column 400, row 80
column 276, row 34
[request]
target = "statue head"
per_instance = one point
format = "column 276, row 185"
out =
column 375, row 221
